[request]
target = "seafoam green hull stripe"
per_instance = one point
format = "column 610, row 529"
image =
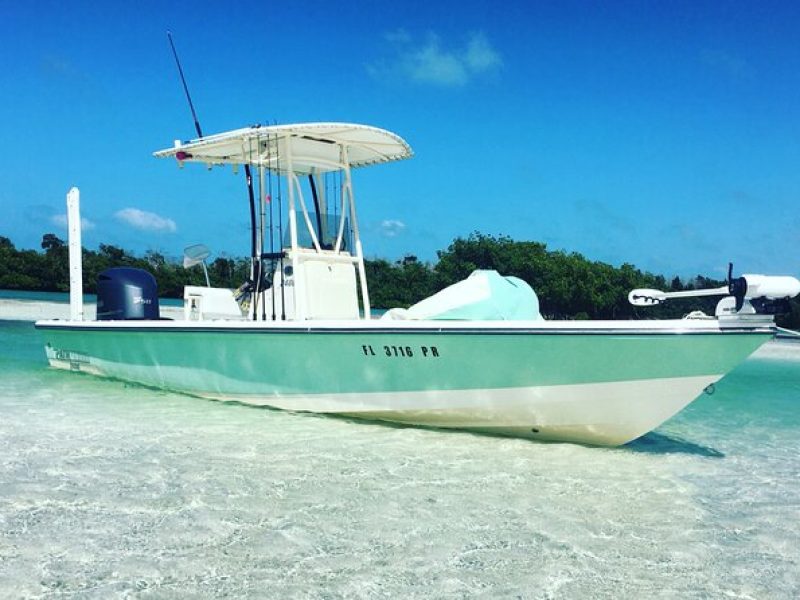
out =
column 302, row 362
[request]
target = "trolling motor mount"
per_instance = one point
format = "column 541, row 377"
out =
column 736, row 287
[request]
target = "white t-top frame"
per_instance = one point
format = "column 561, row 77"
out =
column 290, row 151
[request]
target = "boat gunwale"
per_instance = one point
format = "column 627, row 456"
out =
column 655, row 328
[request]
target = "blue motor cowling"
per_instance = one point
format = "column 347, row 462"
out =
column 126, row 293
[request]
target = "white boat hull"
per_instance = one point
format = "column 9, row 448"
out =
column 608, row 414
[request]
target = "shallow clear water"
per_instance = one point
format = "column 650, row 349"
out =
column 111, row 490
column 63, row 297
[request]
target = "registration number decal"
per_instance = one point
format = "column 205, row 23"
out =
column 400, row 351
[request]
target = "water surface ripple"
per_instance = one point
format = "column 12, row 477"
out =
column 109, row 490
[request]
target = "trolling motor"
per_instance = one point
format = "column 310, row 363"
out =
column 747, row 295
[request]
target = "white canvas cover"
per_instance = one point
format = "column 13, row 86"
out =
column 483, row 296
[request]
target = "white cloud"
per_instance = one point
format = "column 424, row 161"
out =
column 732, row 65
column 392, row 227
column 147, row 221
column 61, row 221
column 431, row 62
column 480, row 54
column 54, row 65
column 398, row 35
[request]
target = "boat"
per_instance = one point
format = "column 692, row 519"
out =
column 300, row 334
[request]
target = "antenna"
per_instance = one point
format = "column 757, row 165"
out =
column 185, row 87
column 256, row 258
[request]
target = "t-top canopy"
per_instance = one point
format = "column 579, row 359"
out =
column 309, row 147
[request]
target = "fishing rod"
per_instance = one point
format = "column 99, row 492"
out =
column 314, row 195
column 255, row 270
column 271, row 226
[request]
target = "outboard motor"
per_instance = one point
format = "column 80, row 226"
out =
column 126, row 293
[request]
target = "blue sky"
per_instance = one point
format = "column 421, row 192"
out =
column 665, row 134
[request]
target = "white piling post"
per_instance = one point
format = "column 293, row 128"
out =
column 75, row 262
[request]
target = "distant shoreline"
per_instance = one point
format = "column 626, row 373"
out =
column 63, row 296
column 35, row 306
